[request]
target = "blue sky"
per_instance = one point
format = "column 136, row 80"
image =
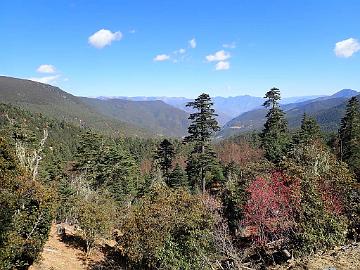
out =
column 238, row 47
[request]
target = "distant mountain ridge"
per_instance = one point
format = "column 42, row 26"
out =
column 327, row 110
column 163, row 116
column 226, row 107
column 154, row 115
column 133, row 119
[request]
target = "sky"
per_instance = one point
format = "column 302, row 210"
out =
column 183, row 47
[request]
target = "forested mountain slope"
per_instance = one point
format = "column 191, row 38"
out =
column 119, row 117
column 327, row 111
column 226, row 107
column 55, row 103
column 155, row 115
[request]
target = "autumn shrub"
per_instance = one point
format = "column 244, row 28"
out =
column 167, row 229
column 234, row 195
column 241, row 153
column 270, row 210
column 26, row 211
column 92, row 211
column 95, row 215
column 325, row 184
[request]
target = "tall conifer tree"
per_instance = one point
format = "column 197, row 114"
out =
column 164, row 155
column 203, row 126
column 350, row 136
column 309, row 131
column 177, row 178
column 275, row 136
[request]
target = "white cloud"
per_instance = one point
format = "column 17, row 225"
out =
column 46, row 79
column 346, row 48
column 222, row 65
column 46, row 69
column 179, row 51
column 231, row 45
column 132, row 31
column 218, row 56
column 192, row 43
column 103, row 38
column 161, row 57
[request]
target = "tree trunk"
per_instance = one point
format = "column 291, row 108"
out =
column 202, row 172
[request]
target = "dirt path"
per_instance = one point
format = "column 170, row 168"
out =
column 58, row 255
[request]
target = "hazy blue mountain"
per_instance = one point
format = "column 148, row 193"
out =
column 346, row 93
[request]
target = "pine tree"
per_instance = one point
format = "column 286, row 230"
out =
column 177, row 178
column 120, row 173
column 88, row 150
column 203, row 126
column 309, row 131
column 275, row 136
column 106, row 164
column 349, row 134
column 164, row 156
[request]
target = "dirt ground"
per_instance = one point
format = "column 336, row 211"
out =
column 59, row 255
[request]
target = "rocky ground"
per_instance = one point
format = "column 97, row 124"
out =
column 68, row 255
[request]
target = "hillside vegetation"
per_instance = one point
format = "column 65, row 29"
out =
column 156, row 116
column 117, row 117
column 260, row 201
column 328, row 112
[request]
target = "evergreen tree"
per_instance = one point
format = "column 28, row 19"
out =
column 119, row 172
column 106, row 164
column 177, row 178
column 203, row 126
column 164, row 156
column 91, row 145
column 275, row 136
column 309, row 131
column 350, row 136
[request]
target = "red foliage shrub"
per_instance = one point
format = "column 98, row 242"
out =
column 269, row 211
column 331, row 198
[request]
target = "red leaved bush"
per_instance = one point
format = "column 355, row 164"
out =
column 331, row 198
column 269, row 211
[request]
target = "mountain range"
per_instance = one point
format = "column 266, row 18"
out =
column 227, row 108
column 143, row 119
column 164, row 116
column 327, row 110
